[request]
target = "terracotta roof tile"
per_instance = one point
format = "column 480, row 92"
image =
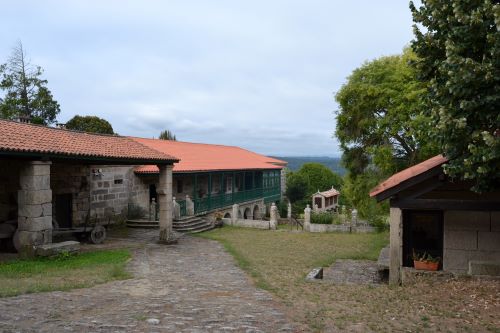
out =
column 329, row 193
column 408, row 173
column 35, row 139
column 208, row 157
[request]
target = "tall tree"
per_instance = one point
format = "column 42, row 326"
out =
column 459, row 53
column 26, row 93
column 378, row 121
column 167, row 135
column 91, row 124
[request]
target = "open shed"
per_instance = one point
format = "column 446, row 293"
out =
column 53, row 177
column 435, row 214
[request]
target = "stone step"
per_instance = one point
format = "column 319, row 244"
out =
column 189, row 224
column 142, row 224
column 198, row 229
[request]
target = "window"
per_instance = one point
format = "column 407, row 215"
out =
column 118, row 181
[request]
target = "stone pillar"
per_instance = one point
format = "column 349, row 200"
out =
column 176, row 210
column 164, row 192
column 34, row 206
column 234, row 215
column 273, row 221
column 354, row 217
column 396, row 245
column 307, row 218
column 316, row 208
column 189, row 206
column 289, row 211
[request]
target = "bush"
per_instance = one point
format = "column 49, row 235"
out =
column 283, row 208
column 379, row 221
column 322, row 218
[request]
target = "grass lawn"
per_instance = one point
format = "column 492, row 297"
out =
column 279, row 260
column 62, row 273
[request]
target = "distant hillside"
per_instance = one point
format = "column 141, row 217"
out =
column 295, row 162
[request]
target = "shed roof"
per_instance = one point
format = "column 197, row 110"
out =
column 208, row 157
column 407, row 174
column 21, row 139
column 329, row 193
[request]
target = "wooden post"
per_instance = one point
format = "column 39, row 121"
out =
column 396, row 245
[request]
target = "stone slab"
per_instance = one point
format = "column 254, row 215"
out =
column 54, row 249
column 466, row 220
column 383, row 258
column 30, row 210
column 460, row 240
column 489, row 241
column 34, row 182
column 34, row 223
column 34, row 197
column 490, row 268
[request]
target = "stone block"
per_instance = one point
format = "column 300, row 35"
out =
column 455, row 260
column 54, row 249
column 109, row 196
column 34, row 182
column 489, row 241
column 47, row 209
column 460, row 240
column 31, row 238
column 466, row 220
column 484, row 268
column 34, row 197
column 34, row 223
column 30, row 211
column 36, row 169
column 95, row 205
column 97, row 192
column 495, row 221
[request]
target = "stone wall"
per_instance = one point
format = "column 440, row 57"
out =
column 71, row 179
column 470, row 235
column 314, row 227
column 255, row 224
column 9, row 185
column 112, row 188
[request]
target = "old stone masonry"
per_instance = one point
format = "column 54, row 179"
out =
column 193, row 286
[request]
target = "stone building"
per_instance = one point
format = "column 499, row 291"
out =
column 440, row 216
column 326, row 200
column 53, row 178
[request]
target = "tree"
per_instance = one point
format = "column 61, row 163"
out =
column 90, row 124
column 459, row 54
column 167, row 135
column 25, row 93
column 379, row 122
column 296, row 187
column 318, row 177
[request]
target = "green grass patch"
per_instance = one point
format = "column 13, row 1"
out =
column 63, row 272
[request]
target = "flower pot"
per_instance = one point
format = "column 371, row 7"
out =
column 426, row 265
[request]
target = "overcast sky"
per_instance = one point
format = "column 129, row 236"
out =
column 260, row 74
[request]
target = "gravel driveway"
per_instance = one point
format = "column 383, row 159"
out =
column 193, row 286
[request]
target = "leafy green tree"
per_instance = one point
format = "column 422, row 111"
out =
column 458, row 50
column 296, row 187
column 26, row 94
column 167, row 135
column 319, row 177
column 90, row 124
column 379, row 121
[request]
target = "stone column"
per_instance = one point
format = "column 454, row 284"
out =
column 234, row 215
column 273, row 221
column 307, row 218
column 164, row 192
column 289, row 211
column 34, row 206
column 396, row 245
column 189, row 206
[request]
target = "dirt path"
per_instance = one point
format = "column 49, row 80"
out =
column 193, row 286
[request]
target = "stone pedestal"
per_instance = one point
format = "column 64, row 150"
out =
column 273, row 222
column 234, row 215
column 307, row 218
column 34, row 206
column 164, row 192
column 289, row 211
column 177, row 209
column 189, row 206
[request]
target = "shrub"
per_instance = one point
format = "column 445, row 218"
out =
column 379, row 221
column 283, row 208
column 322, row 218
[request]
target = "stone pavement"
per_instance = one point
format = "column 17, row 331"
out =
column 347, row 271
column 193, row 286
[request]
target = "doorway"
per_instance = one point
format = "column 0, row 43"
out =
column 422, row 232
column 64, row 210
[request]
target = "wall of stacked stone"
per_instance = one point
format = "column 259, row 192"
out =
column 469, row 236
column 314, row 227
column 9, row 185
column 71, row 179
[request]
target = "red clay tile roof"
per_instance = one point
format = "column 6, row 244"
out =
column 208, row 157
column 17, row 138
column 408, row 173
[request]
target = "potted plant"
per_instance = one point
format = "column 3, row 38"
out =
column 425, row 261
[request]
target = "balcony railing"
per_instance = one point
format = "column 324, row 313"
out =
column 227, row 199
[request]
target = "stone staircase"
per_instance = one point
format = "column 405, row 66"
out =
column 192, row 224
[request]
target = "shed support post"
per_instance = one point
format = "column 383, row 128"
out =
column 165, row 200
column 396, row 246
